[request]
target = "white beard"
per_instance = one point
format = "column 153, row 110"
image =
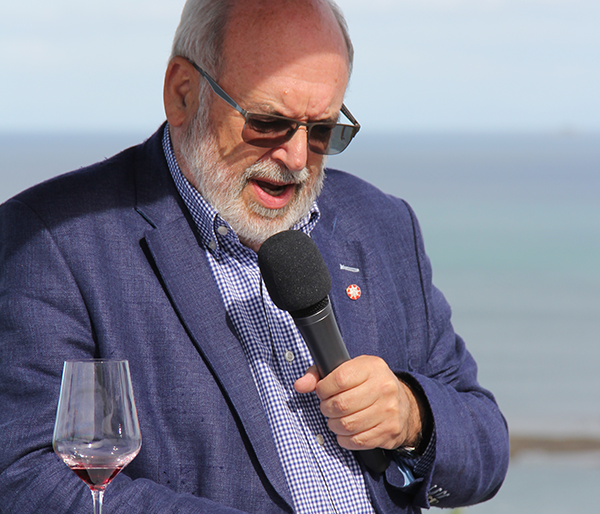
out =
column 253, row 223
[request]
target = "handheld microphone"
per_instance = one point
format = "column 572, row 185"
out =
column 298, row 281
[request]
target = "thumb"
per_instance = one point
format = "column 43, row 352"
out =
column 308, row 382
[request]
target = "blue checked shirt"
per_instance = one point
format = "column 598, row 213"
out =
column 322, row 476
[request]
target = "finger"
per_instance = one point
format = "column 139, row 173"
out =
column 308, row 382
column 387, row 434
column 384, row 423
column 349, row 402
column 381, row 386
column 363, row 441
column 389, row 420
column 346, row 376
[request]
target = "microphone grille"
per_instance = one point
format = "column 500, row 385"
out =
column 294, row 271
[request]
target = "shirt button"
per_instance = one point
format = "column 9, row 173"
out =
column 223, row 230
column 212, row 245
column 320, row 439
column 289, row 356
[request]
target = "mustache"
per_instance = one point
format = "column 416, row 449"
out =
column 275, row 172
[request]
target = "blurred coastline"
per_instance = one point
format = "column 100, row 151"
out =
column 523, row 444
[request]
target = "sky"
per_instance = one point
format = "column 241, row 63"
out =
column 420, row 66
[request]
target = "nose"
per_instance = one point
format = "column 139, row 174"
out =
column 293, row 154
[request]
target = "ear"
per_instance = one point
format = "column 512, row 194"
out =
column 180, row 92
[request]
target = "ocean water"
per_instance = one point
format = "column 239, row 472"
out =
column 512, row 226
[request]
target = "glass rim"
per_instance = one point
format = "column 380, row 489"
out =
column 96, row 360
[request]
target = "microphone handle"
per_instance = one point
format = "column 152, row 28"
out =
column 324, row 340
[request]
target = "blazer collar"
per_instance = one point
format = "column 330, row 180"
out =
column 157, row 200
column 181, row 263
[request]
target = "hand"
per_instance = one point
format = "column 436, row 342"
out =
column 367, row 406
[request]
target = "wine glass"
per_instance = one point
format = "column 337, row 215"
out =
column 96, row 432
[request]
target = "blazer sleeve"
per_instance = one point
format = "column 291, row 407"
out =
column 44, row 321
column 471, row 435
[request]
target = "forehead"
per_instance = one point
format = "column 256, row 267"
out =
column 291, row 55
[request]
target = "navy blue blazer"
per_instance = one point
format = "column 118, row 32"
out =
column 105, row 262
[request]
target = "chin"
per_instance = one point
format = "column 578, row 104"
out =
column 254, row 223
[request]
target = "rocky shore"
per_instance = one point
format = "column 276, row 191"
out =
column 524, row 444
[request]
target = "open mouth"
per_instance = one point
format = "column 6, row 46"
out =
column 272, row 195
column 273, row 189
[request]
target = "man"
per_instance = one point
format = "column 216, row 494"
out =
column 151, row 256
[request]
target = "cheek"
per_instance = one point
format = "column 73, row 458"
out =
column 231, row 183
column 229, row 144
column 227, row 129
column 314, row 164
column 314, row 160
column 237, row 155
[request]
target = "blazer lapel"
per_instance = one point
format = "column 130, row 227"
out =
column 348, row 266
column 188, row 281
column 364, row 320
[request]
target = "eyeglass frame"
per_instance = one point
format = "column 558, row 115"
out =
column 218, row 90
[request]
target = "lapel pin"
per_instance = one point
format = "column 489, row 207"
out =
column 353, row 292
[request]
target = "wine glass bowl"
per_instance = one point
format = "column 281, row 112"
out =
column 96, row 433
column 98, row 462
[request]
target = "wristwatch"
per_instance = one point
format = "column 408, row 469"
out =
column 406, row 452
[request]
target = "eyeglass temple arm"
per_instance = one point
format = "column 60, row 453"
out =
column 348, row 115
column 217, row 89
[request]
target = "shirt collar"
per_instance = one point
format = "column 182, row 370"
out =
column 207, row 219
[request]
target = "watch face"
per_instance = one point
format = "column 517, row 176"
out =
column 408, row 452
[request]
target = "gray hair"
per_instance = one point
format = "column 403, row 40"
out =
column 200, row 36
column 201, row 31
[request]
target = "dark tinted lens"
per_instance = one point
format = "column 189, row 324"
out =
column 267, row 131
column 338, row 138
column 319, row 136
column 269, row 125
column 271, row 131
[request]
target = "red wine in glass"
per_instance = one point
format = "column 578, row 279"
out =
column 95, row 477
column 96, row 432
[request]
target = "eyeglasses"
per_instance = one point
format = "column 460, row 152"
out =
column 270, row 130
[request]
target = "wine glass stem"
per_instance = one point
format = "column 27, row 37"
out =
column 97, row 496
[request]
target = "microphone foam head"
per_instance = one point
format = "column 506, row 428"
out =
column 293, row 270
